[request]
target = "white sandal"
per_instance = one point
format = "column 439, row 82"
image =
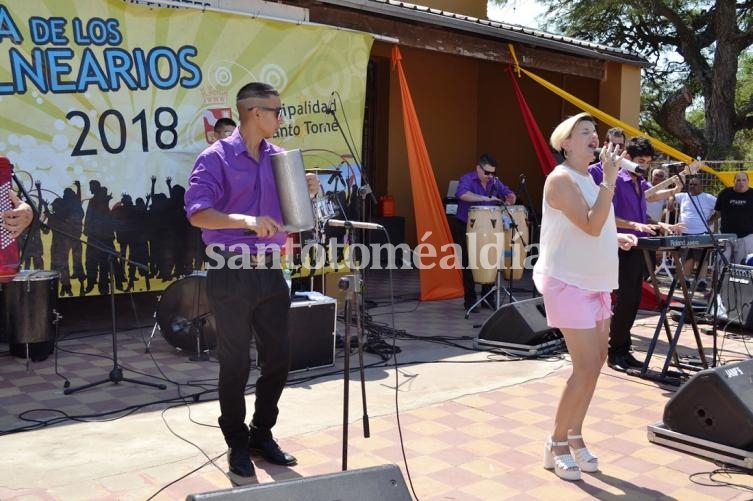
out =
column 583, row 458
column 564, row 465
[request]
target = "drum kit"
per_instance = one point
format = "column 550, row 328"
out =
column 497, row 240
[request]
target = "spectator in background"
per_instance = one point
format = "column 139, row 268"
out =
column 735, row 207
column 223, row 128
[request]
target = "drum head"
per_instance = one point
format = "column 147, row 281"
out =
column 184, row 308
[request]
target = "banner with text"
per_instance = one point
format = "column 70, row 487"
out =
column 107, row 103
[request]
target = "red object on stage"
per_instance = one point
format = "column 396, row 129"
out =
column 9, row 258
column 648, row 298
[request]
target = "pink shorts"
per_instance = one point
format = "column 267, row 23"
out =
column 571, row 307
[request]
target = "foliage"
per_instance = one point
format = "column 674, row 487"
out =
column 698, row 90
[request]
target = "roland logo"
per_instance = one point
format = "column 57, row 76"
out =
column 733, row 372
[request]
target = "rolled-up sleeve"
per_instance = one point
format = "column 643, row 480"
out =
column 464, row 186
column 204, row 184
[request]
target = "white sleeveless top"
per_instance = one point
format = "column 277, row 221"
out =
column 570, row 255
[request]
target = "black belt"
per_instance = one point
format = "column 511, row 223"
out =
column 255, row 260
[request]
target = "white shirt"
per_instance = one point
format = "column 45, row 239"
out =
column 569, row 254
column 689, row 211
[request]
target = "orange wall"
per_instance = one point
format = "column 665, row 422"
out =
column 467, row 107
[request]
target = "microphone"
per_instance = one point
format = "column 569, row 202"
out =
column 330, row 109
column 339, row 223
column 522, row 178
column 633, row 167
column 334, row 176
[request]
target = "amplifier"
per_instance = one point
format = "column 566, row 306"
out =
column 311, row 327
column 736, row 296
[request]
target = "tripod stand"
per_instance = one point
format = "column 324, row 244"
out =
column 116, row 373
column 347, row 286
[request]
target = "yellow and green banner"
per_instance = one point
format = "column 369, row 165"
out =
column 107, row 103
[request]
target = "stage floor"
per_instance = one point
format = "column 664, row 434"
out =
column 473, row 422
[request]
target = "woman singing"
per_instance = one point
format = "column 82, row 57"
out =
column 575, row 272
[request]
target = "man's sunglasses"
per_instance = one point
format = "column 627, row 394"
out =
column 488, row 172
column 277, row 111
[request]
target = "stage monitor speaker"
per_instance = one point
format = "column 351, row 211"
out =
column 520, row 323
column 715, row 405
column 378, row 483
column 736, row 294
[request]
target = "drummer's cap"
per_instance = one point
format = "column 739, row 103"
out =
column 563, row 130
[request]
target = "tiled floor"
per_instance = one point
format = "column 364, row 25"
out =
column 473, row 423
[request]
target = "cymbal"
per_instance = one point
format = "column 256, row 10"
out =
column 323, row 171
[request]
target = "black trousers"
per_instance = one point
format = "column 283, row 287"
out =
column 248, row 302
column 459, row 235
column 630, row 286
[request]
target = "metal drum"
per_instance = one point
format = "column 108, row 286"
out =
column 183, row 313
column 29, row 312
column 485, row 234
column 516, row 240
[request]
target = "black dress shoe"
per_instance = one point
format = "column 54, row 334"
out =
column 632, row 361
column 267, row 447
column 239, row 463
column 618, row 363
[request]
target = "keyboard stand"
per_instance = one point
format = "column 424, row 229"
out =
column 666, row 376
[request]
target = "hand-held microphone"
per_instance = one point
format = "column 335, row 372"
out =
column 672, row 164
column 339, row 223
column 633, row 167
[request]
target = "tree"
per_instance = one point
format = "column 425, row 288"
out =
column 695, row 48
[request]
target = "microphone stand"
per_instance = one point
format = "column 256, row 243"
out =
column 716, row 278
column 523, row 188
column 116, row 373
column 515, row 232
column 365, row 189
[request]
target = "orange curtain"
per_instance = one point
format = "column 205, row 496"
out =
column 431, row 224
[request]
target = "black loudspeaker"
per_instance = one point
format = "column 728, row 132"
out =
column 736, row 294
column 311, row 326
column 378, row 483
column 715, row 405
column 519, row 323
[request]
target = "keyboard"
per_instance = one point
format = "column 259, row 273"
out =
column 668, row 242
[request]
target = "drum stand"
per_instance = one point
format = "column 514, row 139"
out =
column 497, row 290
column 116, row 373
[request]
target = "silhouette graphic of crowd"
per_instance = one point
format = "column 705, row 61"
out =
column 147, row 238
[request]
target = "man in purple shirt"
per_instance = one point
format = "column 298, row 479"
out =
column 478, row 187
column 232, row 190
column 631, row 215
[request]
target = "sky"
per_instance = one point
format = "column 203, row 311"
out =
column 523, row 12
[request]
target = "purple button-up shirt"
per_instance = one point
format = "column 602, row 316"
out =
column 470, row 182
column 226, row 178
column 628, row 204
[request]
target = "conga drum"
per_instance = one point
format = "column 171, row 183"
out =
column 516, row 240
column 485, row 234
